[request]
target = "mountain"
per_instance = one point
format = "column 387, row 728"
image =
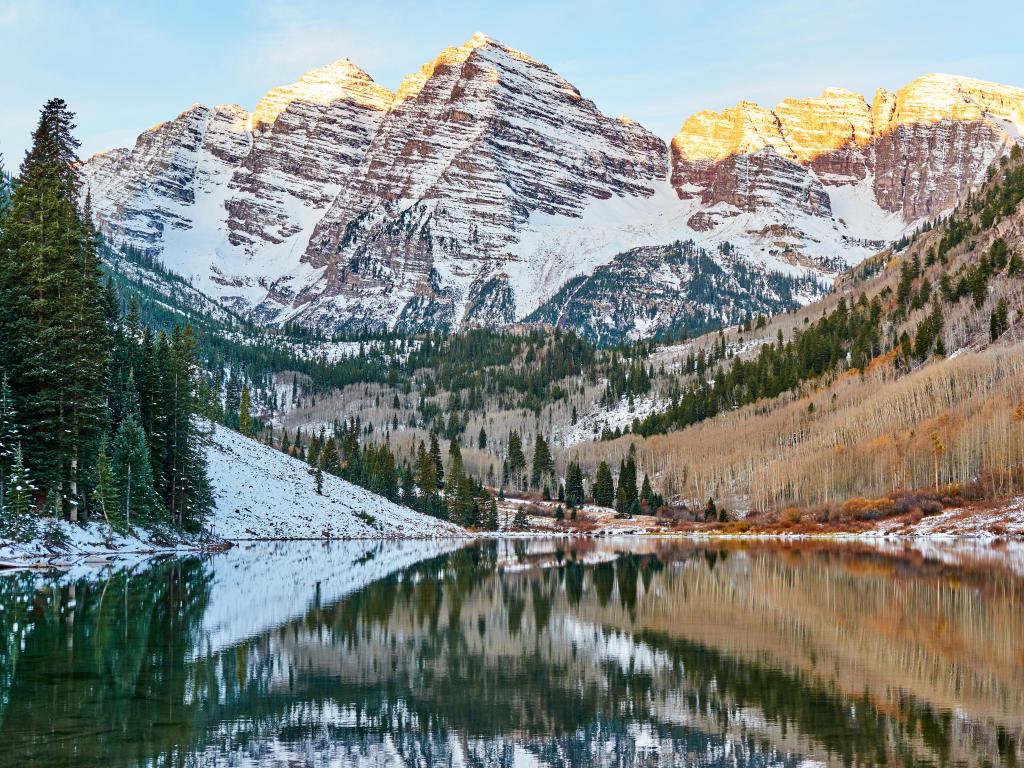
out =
column 486, row 185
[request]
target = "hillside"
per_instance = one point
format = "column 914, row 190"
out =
column 910, row 371
column 897, row 377
column 910, row 375
column 261, row 493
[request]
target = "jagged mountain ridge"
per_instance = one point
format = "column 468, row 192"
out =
column 486, row 182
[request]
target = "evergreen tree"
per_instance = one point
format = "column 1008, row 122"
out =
column 999, row 322
column 574, row 495
column 646, row 492
column 8, row 435
column 435, row 455
column 604, row 486
column 543, row 464
column 426, row 479
column 5, row 191
column 626, row 492
column 133, row 477
column 17, row 522
column 710, row 511
column 328, row 458
column 481, row 440
column 189, row 495
column 407, row 481
column 244, row 412
column 491, row 514
column 53, row 335
column 519, row 520
column 105, row 487
column 516, row 458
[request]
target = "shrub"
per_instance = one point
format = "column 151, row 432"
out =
column 859, row 508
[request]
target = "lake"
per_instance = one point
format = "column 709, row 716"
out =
column 518, row 653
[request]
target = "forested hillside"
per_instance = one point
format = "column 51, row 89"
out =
column 908, row 375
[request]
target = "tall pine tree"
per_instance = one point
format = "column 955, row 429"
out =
column 53, row 335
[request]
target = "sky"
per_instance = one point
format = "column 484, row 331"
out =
column 125, row 66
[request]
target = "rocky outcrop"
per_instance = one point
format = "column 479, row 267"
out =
column 920, row 149
column 487, row 182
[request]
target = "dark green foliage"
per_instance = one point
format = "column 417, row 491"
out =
column 82, row 379
column 574, row 495
column 137, row 502
column 999, row 322
column 821, row 347
column 711, row 511
column 543, row 466
column 626, row 493
column 17, row 522
column 515, row 459
column 604, row 486
column 9, row 435
column 53, row 335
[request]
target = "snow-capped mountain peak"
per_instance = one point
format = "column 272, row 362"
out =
column 486, row 182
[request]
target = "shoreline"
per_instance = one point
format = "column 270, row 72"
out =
column 47, row 560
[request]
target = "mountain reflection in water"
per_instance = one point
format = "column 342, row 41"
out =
column 514, row 653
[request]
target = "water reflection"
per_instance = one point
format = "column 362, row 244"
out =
column 518, row 653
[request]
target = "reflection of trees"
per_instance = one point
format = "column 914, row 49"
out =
column 98, row 680
column 580, row 662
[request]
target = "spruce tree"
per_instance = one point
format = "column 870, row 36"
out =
column 646, row 492
column 245, row 412
column 574, row 495
column 17, row 522
column 53, row 334
column 435, row 455
column 626, row 492
column 426, row 479
column 5, row 191
column 105, row 487
column 516, row 458
column 328, row 457
column 999, row 322
column 481, row 440
column 543, row 464
column 604, row 486
column 133, row 476
column 491, row 513
column 8, row 435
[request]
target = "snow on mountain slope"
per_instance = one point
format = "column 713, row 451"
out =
column 260, row 493
column 482, row 186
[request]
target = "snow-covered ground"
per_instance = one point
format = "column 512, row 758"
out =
column 589, row 425
column 260, row 493
column 95, row 543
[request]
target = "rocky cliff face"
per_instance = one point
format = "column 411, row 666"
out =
column 908, row 156
column 476, row 143
column 487, row 182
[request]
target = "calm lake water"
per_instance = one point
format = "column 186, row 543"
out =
column 519, row 653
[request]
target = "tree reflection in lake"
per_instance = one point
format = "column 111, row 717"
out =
column 549, row 652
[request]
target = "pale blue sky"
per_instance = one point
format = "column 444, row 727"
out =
column 124, row 66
